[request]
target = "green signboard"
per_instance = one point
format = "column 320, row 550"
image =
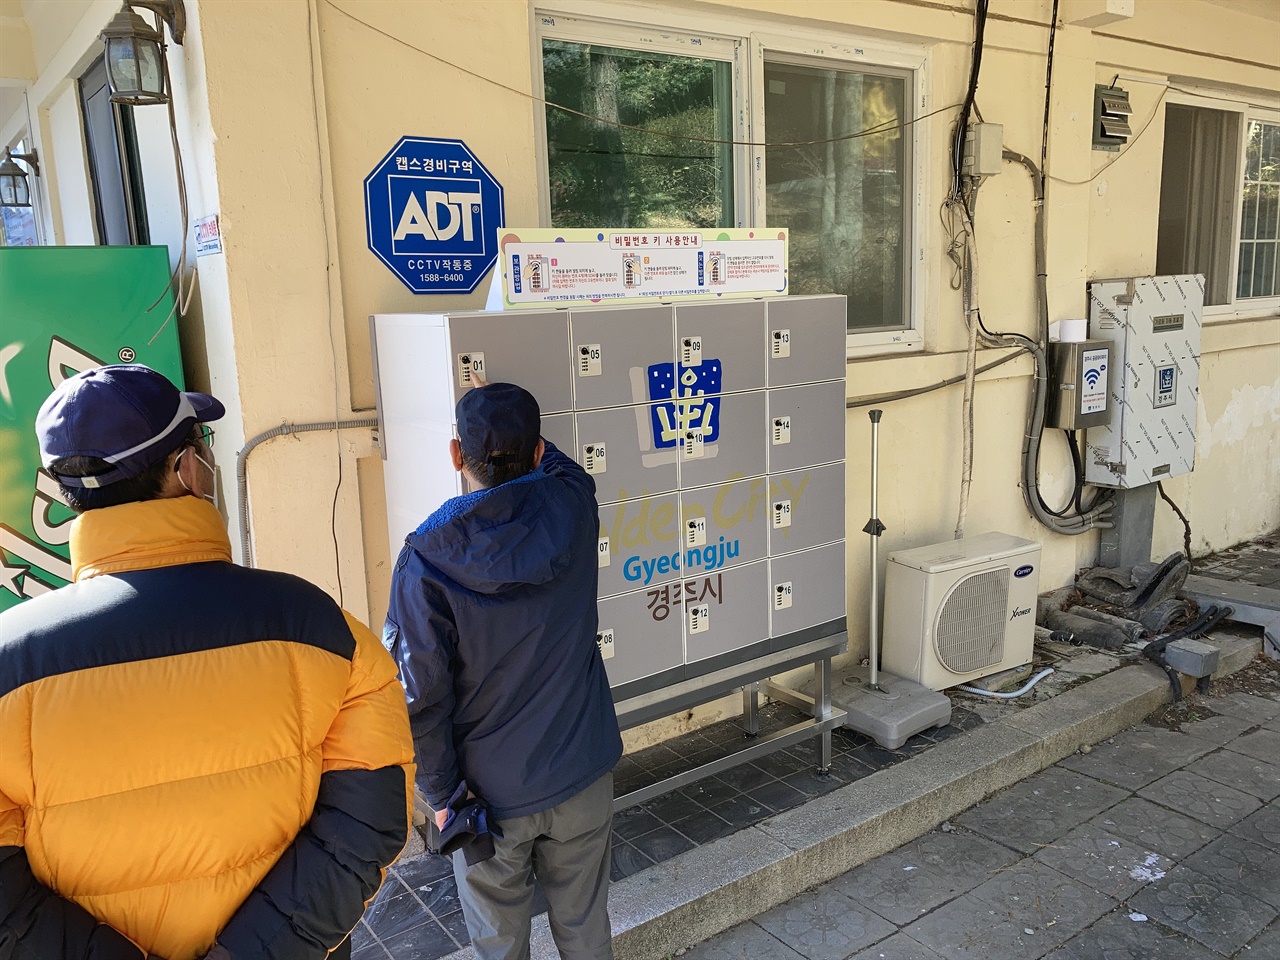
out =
column 63, row 310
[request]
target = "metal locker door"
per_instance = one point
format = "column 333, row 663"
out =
column 558, row 429
column 529, row 349
column 806, row 339
column 726, row 617
column 806, row 592
column 721, row 347
column 633, row 465
column 647, row 643
column 639, row 544
column 806, row 508
column 806, row 425
column 730, row 437
column 614, row 352
column 722, row 526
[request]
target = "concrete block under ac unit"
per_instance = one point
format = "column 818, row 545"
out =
column 1192, row 657
column 1096, row 13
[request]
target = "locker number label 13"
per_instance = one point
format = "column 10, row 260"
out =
column 781, row 430
column 604, row 640
column 780, row 344
column 782, row 595
column 691, row 351
column 593, row 458
column 700, row 618
column 781, row 514
column 588, row 359
column 470, row 368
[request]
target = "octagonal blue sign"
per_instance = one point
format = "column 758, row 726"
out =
column 433, row 213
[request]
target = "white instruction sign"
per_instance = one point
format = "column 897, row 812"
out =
column 1093, row 388
column 604, row 640
column 593, row 458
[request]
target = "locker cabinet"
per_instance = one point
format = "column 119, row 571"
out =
column 616, row 352
column 730, row 333
column 806, row 508
column 724, row 612
column 646, row 633
column 723, row 525
column 806, row 425
column 529, row 350
column 730, row 439
column 632, row 465
column 641, row 538
column 806, row 340
column 806, row 589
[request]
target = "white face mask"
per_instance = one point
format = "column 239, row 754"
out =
column 213, row 475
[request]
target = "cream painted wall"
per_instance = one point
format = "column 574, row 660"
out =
column 69, row 170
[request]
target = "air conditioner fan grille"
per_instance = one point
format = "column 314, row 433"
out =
column 970, row 628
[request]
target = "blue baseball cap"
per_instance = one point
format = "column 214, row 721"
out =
column 498, row 423
column 126, row 414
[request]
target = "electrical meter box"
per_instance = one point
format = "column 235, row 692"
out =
column 714, row 433
column 1153, row 325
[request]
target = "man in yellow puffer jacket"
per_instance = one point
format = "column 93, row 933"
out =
column 196, row 759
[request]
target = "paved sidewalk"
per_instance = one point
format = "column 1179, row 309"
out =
column 1156, row 845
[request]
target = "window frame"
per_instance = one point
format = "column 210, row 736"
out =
column 748, row 47
column 1240, row 308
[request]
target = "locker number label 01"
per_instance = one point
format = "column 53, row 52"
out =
column 782, row 595
column 593, row 460
column 780, row 344
column 691, row 351
column 589, row 360
column 700, row 618
column 604, row 640
column 695, row 532
column 781, row 430
column 694, row 444
column 471, row 368
column 602, row 552
column 781, row 514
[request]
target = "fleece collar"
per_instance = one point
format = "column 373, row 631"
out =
column 152, row 533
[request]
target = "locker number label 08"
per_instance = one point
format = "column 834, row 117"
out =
column 602, row 552
column 782, row 595
column 781, row 514
column 471, row 367
column 691, row 351
column 694, row 444
column 700, row 618
column 589, row 360
column 695, row 532
column 593, row 460
column 604, row 640
column 781, row 430
column 780, row 344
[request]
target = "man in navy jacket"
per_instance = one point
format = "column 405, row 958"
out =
column 492, row 621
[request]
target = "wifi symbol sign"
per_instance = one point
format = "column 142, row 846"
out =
column 1092, row 376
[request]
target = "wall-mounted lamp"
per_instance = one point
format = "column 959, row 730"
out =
column 14, row 189
column 135, row 51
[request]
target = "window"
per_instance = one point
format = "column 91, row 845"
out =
column 848, row 201
column 114, row 168
column 1220, row 205
column 18, row 224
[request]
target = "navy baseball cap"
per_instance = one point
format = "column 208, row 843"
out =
column 498, row 423
column 126, row 414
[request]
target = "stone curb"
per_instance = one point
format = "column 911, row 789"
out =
column 709, row 889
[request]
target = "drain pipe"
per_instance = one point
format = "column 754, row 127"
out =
column 1008, row 696
column 242, row 473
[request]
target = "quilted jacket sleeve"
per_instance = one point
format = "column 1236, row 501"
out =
column 315, row 894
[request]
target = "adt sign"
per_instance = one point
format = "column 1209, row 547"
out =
column 433, row 212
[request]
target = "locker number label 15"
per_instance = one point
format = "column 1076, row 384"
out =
column 470, row 368
column 602, row 552
column 593, row 458
column 695, row 532
column 691, row 351
column 781, row 430
column 588, row 359
column 604, row 640
column 781, row 514
column 780, row 344
column 700, row 618
column 782, row 595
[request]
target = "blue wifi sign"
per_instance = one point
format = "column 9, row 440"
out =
column 433, row 211
column 1093, row 395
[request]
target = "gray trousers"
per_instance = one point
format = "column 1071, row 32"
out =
column 567, row 849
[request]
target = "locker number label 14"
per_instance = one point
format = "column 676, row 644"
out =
column 700, row 618
column 781, row 430
column 589, row 360
column 781, row 514
column 782, row 595
column 593, row 460
column 471, row 367
column 780, row 344
column 604, row 640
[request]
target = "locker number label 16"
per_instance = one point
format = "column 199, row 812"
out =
column 700, row 618
column 589, row 360
column 604, row 640
column 471, row 368
column 593, row 458
column 781, row 514
column 780, row 344
column 782, row 595
column 781, row 430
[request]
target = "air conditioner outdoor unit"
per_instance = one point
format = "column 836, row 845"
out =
column 960, row 610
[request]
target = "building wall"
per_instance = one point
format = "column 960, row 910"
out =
column 285, row 107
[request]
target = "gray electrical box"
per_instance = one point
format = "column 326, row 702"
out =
column 1153, row 325
column 1079, row 384
column 714, row 432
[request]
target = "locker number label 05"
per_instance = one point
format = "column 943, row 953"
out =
column 781, row 430
column 780, row 344
column 604, row 640
column 470, row 367
column 781, row 514
column 694, row 444
column 691, row 351
column 695, row 532
column 782, row 595
column 602, row 552
column 700, row 618
column 589, row 360
column 593, row 460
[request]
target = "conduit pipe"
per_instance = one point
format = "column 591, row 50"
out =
column 1009, row 696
